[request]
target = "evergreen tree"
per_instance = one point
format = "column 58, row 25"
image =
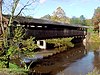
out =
column 75, row 20
column 46, row 17
column 82, row 20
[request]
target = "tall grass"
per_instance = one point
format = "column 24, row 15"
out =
column 94, row 72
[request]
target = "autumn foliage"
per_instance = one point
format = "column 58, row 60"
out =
column 96, row 18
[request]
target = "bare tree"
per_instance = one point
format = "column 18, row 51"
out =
column 13, row 4
column 2, row 27
column 7, row 36
column 26, row 6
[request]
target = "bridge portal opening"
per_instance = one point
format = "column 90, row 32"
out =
column 41, row 44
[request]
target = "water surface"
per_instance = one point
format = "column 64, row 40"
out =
column 76, row 61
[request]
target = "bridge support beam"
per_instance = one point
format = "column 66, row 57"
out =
column 41, row 44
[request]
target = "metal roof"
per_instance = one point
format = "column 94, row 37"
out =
column 26, row 20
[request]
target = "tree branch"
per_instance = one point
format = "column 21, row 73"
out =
column 27, row 4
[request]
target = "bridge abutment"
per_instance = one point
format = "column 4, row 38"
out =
column 41, row 44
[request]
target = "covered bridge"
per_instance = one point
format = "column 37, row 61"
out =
column 46, row 29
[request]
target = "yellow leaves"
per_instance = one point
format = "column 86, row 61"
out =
column 11, row 50
column 63, row 20
column 24, row 49
column 1, row 42
column 29, row 44
column 95, row 38
column 18, row 34
column 61, row 42
column 96, row 17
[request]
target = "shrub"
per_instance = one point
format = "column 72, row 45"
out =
column 61, row 42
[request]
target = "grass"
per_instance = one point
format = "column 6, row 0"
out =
column 13, row 70
column 6, row 71
column 94, row 72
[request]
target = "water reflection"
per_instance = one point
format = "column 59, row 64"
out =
column 59, row 62
column 95, row 48
column 80, row 67
column 96, row 61
column 76, row 61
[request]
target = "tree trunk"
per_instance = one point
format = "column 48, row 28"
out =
column 2, row 27
column 99, row 29
column 8, row 60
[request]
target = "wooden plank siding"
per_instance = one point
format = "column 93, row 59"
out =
column 55, row 33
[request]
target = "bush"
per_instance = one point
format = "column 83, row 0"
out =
column 61, row 42
column 95, row 38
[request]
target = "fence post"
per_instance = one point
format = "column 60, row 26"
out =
column 99, row 29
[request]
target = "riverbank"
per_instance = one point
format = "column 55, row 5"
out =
column 70, row 62
column 57, row 46
column 45, row 54
column 92, row 37
column 57, row 63
column 51, row 52
column 92, row 41
column 30, row 57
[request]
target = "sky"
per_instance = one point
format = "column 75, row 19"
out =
column 71, row 7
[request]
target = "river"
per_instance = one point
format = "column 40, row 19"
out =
column 74, row 61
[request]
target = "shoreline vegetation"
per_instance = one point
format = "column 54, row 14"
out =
column 56, row 43
column 94, row 72
column 93, row 40
column 17, row 70
column 66, row 42
column 94, row 37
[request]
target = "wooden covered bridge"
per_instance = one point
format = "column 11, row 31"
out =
column 45, row 29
